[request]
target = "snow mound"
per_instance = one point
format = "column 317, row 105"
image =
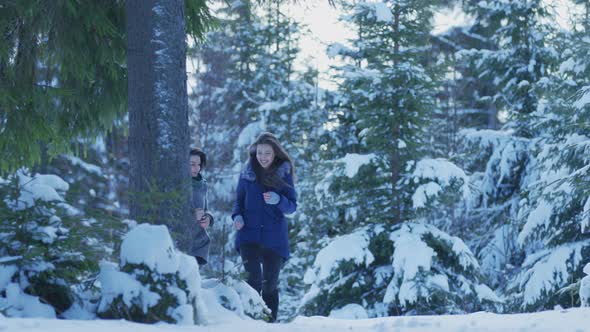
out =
column 154, row 282
column 150, row 245
column 349, row 311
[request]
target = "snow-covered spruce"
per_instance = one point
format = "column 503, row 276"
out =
column 517, row 66
column 343, row 187
column 553, row 232
column 411, row 268
column 496, row 166
column 41, row 244
column 440, row 185
column 154, row 282
column 504, row 156
column 585, row 288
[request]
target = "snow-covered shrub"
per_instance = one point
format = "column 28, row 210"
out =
column 234, row 295
column 585, row 287
column 17, row 303
column 412, row 268
column 543, row 274
column 47, row 247
column 350, row 311
column 339, row 272
column 153, row 283
column 434, row 272
column 98, row 187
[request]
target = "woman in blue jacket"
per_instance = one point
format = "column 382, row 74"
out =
column 265, row 194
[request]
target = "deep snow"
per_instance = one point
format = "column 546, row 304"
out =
column 574, row 320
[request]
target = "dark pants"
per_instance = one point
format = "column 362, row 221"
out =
column 263, row 266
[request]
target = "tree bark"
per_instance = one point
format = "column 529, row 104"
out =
column 159, row 181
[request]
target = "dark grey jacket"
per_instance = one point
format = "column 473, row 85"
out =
column 199, row 193
column 202, row 242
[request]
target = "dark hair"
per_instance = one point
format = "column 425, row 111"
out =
column 201, row 154
column 270, row 177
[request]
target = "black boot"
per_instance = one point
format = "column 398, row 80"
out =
column 272, row 302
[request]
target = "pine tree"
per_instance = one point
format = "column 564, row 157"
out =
column 554, row 208
column 516, row 62
column 406, row 269
column 522, row 57
column 389, row 91
column 49, row 247
column 378, row 134
column 58, row 83
column 464, row 98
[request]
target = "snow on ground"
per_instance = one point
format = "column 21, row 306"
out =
column 574, row 320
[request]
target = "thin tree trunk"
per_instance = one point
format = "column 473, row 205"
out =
column 245, row 57
column 453, row 99
column 395, row 158
column 492, row 117
column 160, row 190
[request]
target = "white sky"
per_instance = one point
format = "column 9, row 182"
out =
column 322, row 21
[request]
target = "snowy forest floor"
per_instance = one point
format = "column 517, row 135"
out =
column 574, row 320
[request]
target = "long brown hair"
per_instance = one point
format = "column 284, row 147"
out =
column 270, row 177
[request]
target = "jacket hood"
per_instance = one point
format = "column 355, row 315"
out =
column 247, row 172
column 199, row 178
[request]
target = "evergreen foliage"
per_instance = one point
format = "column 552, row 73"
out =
column 154, row 283
column 521, row 60
column 533, row 173
column 46, row 243
column 59, row 83
column 416, row 189
column 161, row 297
column 390, row 92
column 440, row 276
column 552, row 211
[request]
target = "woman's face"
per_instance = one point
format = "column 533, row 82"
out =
column 195, row 165
column 265, row 155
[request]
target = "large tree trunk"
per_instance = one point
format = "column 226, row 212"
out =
column 160, row 191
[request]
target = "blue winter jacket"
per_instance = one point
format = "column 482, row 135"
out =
column 264, row 224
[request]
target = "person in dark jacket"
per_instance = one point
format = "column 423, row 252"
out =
column 265, row 193
column 204, row 219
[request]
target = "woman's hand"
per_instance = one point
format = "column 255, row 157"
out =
column 199, row 214
column 270, row 197
column 238, row 222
